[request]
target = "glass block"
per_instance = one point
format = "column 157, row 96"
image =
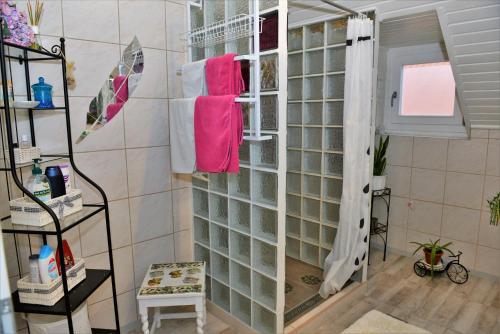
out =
column 239, row 184
column 312, row 185
column 334, row 139
column 237, row 7
column 310, row 231
column 324, row 254
column 314, row 62
column 335, row 59
column 294, row 160
column 336, row 31
column 314, row 88
column 295, row 64
column 218, row 208
column 218, row 182
column 241, row 307
column 220, row 266
column 310, row 253
column 313, row 113
column 312, row 138
column 242, row 46
column 292, row 226
column 219, row 238
column 240, row 278
column 293, row 205
column 266, row 4
column 315, row 35
column 334, row 113
column 220, row 295
column 292, row 248
column 240, row 247
column 312, row 162
column 198, row 182
column 334, row 164
column 264, row 321
column 200, row 202
column 294, row 113
column 294, row 137
column 246, row 109
column 265, row 223
column 265, row 153
column 295, row 39
column 196, row 17
column 239, row 215
column 269, row 72
column 214, row 11
column 264, row 257
column 208, row 287
column 264, row 187
column 198, row 53
column 201, row 231
column 328, row 236
column 269, row 112
column 335, row 86
column 293, row 183
column 268, row 38
column 294, row 89
column 332, row 189
column 311, row 208
column 331, row 213
column 245, row 152
column 202, row 254
column 264, row 290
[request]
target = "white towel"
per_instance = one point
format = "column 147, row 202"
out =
column 182, row 153
column 193, row 79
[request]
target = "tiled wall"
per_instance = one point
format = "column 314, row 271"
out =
column 130, row 158
column 440, row 189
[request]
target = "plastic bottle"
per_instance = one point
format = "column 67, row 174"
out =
column 25, row 143
column 34, row 270
column 47, row 265
column 38, row 184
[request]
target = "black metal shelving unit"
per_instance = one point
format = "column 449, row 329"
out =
column 23, row 56
column 376, row 227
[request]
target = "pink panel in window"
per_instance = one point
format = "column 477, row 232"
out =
column 428, row 90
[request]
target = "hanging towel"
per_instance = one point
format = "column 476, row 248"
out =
column 218, row 131
column 182, row 149
column 193, row 79
column 223, row 76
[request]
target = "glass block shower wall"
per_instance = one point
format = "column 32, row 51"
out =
column 236, row 216
column 316, row 65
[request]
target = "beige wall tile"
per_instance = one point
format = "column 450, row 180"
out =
column 427, row 185
column 430, row 153
column 146, row 122
column 183, row 246
column 468, row 156
column 489, row 235
column 51, row 131
column 101, row 314
column 176, row 24
column 493, row 161
column 487, row 260
column 147, row 22
column 468, row 257
column 479, row 133
column 460, row 223
column 425, row 217
column 491, row 188
column 494, row 134
column 159, row 250
column 182, row 209
column 399, row 180
column 397, row 238
column 399, row 152
column 153, row 82
column 464, row 190
column 398, row 214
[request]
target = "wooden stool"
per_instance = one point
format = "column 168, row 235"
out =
column 173, row 284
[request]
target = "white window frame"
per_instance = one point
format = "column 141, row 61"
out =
column 428, row 126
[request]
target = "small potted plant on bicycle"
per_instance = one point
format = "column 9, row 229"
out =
column 433, row 251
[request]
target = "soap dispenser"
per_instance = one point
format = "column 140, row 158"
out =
column 38, row 184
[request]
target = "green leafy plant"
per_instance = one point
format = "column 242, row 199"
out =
column 379, row 160
column 495, row 210
column 434, row 249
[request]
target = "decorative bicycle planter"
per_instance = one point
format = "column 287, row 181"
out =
column 455, row 271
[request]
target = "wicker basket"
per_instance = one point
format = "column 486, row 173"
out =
column 26, row 212
column 24, row 155
column 50, row 293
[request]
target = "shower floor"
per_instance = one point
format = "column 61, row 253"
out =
column 302, row 282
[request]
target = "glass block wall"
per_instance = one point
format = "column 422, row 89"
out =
column 316, row 64
column 236, row 216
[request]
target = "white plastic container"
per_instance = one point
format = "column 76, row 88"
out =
column 47, row 265
column 56, row 324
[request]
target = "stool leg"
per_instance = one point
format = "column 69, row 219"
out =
column 157, row 317
column 199, row 317
column 144, row 320
column 204, row 311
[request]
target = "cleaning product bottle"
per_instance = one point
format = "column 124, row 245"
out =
column 38, row 184
column 47, row 265
column 120, row 84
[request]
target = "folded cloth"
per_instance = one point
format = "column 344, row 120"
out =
column 218, row 132
column 223, row 76
column 193, row 79
column 182, row 149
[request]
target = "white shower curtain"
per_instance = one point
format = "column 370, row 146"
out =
column 351, row 242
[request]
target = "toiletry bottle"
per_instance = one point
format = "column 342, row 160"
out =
column 38, row 184
column 56, row 181
column 67, row 176
column 69, row 260
column 120, row 84
column 25, row 143
column 34, row 269
column 47, row 265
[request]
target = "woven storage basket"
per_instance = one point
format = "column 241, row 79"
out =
column 50, row 293
column 24, row 155
column 26, row 212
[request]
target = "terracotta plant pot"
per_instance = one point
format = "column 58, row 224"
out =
column 437, row 258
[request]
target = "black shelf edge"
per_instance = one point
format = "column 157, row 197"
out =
column 80, row 293
column 103, row 331
column 49, row 55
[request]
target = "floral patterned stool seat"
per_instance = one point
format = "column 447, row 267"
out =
column 173, row 284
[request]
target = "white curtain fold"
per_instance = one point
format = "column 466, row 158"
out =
column 351, row 242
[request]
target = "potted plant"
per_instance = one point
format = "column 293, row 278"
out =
column 495, row 210
column 433, row 251
column 379, row 164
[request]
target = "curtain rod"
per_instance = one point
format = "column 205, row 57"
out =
column 330, row 2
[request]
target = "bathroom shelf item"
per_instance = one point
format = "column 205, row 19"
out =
column 14, row 55
column 376, row 227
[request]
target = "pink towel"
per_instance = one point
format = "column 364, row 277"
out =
column 218, row 132
column 223, row 76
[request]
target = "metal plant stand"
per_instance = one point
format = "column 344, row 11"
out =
column 11, row 54
column 376, row 227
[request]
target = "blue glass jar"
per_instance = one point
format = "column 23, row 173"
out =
column 43, row 94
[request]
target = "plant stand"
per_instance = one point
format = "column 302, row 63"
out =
column 377, row 228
